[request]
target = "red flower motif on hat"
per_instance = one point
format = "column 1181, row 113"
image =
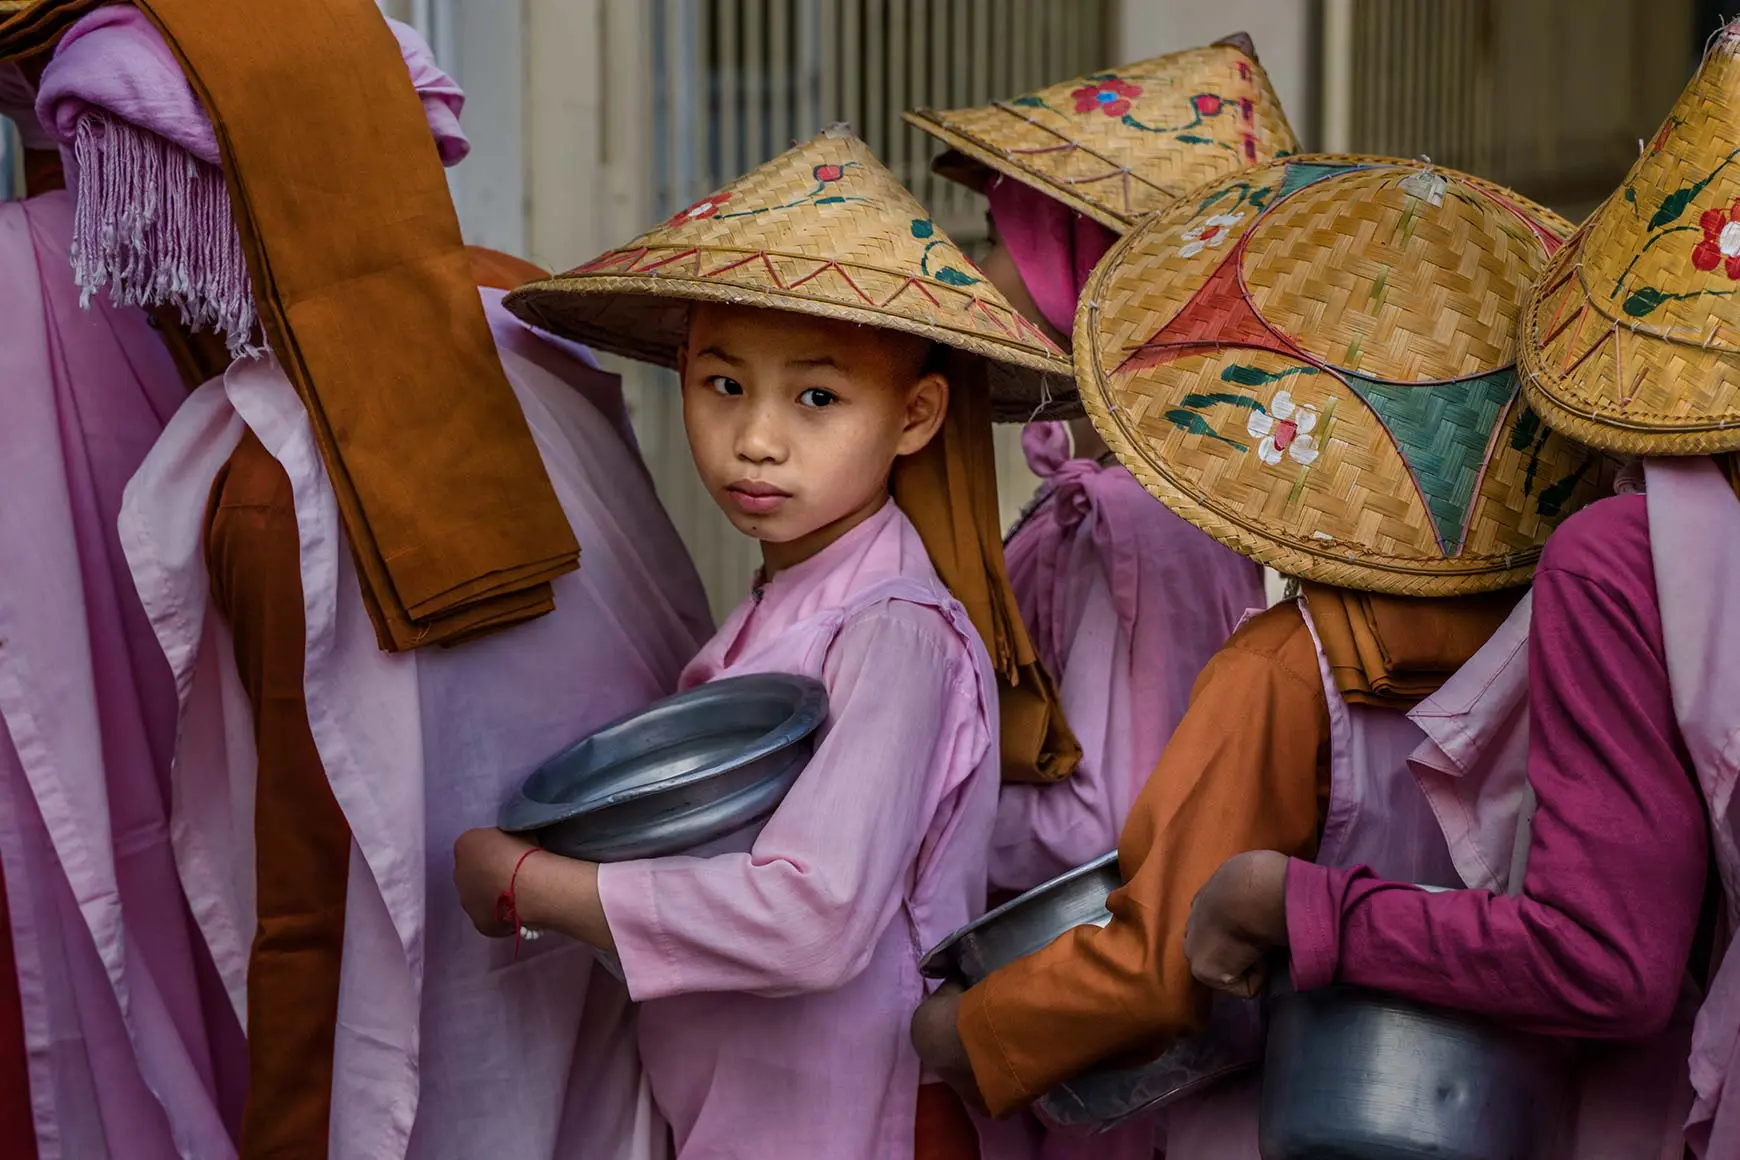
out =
column 1721, row 244
column 827, row 173
column 1206, row 104
column 1108, row 94
column 705, row 208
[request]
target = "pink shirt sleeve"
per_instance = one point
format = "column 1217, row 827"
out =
column 1044, row 830
column 802, row 910
column 1598, row 941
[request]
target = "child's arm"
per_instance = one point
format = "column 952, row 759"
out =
column 549, row 892
column 804, row 909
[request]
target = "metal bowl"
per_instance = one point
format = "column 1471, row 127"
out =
column 1026, row 924
column 1102, row 1099
column 1232, row 1043
column 683, row 772
column 1357, row 1075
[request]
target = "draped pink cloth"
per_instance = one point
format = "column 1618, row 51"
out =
column 1055, row 248
column 1126, row 603
column 448, row 1044
column 133, row 1051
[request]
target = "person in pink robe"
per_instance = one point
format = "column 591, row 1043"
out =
column 1125, row 600
column 429, row 1020
column 131, row 1049
column 777, row 969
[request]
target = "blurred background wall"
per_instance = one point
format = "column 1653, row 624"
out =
column 592, row 119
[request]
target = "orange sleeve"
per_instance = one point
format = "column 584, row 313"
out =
column 1243, row 771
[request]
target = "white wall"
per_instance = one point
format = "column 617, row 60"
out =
column 1280, row 28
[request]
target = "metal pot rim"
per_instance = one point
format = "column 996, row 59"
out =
column 938, row 961
column 809, row 708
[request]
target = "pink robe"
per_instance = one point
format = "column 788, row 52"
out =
column 446, row 1045
column 778, row 970
column 128, row 1055
column 1633, row 688
column 1126, row 603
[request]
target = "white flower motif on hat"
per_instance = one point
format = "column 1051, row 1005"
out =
column 1285, row 431
column 1209, row 232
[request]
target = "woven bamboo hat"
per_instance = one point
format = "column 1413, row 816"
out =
column 1632, row 340
column 823, row 229
column 1117, row 145
column 1314, row 362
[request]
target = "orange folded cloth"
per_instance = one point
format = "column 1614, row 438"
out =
column 949, row 492
column 366, row 294
column 1395, row 651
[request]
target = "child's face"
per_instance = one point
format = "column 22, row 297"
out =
column 795, row 422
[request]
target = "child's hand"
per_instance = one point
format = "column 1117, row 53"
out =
column 939, row 1045
column 1236, row 919
column 483, row 865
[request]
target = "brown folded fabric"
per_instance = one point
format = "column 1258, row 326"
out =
column 301, row 840
column 366, row 295
column 1730, row 464
column 1395, row 651
column 949, row 492
column 942, row 1130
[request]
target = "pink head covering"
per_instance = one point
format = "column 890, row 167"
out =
column 1054, row 248
column 153, row 219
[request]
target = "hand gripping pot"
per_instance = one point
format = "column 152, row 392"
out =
column 1233, row 1041
column 1352, row 1074
column 1357, row 1075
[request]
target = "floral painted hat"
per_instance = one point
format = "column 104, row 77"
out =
column 1632, row 340
column 822, row 229
column 1117, row 145
column 1314, row 362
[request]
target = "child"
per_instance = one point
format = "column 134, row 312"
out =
column 1618, row 932
column 803, row 307
column 1324, row 389
column 1126, row 601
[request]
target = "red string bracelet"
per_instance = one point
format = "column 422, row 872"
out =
column 507, row 910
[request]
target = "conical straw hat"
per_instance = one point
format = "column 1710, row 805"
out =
column 1117, row 145
column 1314, row 362
column 1632, row 339
column 823, row 229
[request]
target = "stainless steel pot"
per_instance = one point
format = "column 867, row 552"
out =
column 1356, row 1075
column 1026, row 924
column 691, row 768
column 1233, row 1041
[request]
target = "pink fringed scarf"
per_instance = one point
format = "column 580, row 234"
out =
column 153, row 220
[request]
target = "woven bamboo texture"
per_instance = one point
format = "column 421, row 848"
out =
column 1632, row 341
column 1120, row 144
column 1314, row 361
column 823, row 229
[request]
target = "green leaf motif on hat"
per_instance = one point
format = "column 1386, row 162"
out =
column 1442, row 432
column 1193, row 424
column 1675, row 203
column 923, row 228
column 950, row 276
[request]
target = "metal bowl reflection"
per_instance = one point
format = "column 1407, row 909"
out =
column 685, row 771
column 1026, row 924
column 1356, row 1075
